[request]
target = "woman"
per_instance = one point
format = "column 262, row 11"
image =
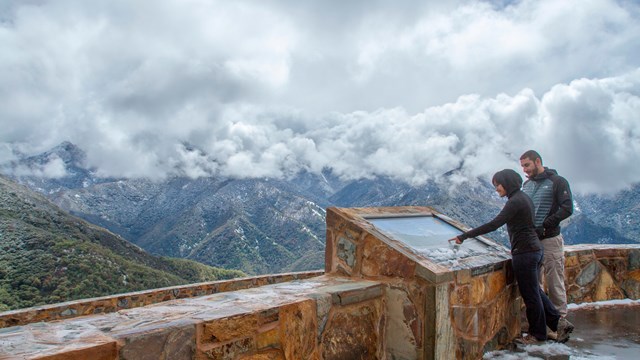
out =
column 526, row 251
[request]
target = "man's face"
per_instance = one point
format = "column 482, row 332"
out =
column 529, row 167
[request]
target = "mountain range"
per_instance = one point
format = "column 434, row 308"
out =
column 271, row 225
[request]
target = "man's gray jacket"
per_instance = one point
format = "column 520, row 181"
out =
column 552, row 200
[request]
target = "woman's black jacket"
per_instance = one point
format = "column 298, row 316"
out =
column 518, row 214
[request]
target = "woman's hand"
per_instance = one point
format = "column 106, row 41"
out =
column 456, row 239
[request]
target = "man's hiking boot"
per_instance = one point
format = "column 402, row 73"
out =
column 564, row 329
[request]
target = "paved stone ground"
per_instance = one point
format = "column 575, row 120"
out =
column 601, row 333
column 607, row 332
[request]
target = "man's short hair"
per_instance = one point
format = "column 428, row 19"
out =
column 531, row 155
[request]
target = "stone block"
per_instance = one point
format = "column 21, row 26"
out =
column 588, row 273
column 610, row 253
column 378, row 259
column 298, row 326
column 617, row 267
column 346, row 251
column 268, row 337
column 432, row 277
column 513, row 310
column 351, row 296
column 107, row 351
column 481, row 323
column 585, row 257
column 467, row 349
column 222, row 330
column 417, row 291
column 226, row 351
column 571, row 274
column 635, row 275
column 634, row 259
column 403, row 325
column 578, row 294
column 352, row 332
column 577, row 251
column 606, row 289
column 333, row 220
column 497, row 313
column 275, row 354
column 466, row 321
column 268, row 316
column 631, row 288
column 497, row 281
column 329, row 253
column 461, row 295
column 463, row 276
column 486, row 269
column 571, row 261
column 342, row 270
column 323, row 306
column 498, row 342
column 478, row 290
column 236, row 285
column 177, row 343
column 491, row 317
column 442, row 327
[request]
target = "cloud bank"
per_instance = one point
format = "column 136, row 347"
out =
column 270, row 88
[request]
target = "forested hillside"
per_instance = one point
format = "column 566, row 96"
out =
column 48, row 256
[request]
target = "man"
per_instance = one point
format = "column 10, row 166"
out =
column 553, row 203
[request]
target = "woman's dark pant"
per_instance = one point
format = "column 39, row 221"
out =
column 540, row 311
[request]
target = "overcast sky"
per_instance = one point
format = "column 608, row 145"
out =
column 408, row 89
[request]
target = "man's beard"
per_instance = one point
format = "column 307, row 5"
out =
column 534, row 173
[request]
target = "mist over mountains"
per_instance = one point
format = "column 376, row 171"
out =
column 267, row 225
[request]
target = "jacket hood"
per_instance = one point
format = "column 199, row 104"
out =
column 509, row 179
column 546, row 174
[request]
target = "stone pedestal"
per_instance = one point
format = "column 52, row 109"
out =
column 433, row 311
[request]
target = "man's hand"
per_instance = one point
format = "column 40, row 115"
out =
column 549, row 223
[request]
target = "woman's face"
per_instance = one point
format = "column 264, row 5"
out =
column 500, row 190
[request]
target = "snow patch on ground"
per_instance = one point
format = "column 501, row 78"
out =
column 545, row 351
column 599, row 304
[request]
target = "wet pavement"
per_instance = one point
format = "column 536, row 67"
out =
column 613, row 331
column 600, row 333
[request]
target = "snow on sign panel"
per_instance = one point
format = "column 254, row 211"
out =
column 419, row 232
column 428, row 236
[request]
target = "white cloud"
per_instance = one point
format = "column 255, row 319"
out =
column 365, row 88
column 54, row 168
column 592, row 131
column 6, row 153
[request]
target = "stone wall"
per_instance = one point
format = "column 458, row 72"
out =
column 325, row 318
column 112, row 303
column 602, row 272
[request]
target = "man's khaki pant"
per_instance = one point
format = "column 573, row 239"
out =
column 553, row 273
